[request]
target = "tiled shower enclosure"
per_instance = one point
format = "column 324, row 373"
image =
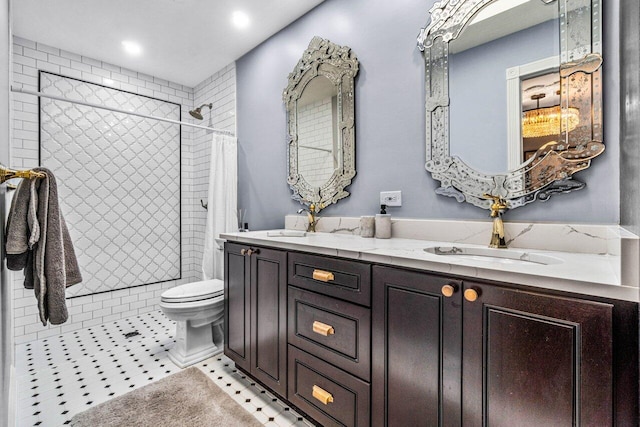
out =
column 118, row 180
column 29, row 60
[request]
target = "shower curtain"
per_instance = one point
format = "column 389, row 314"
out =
column 222, row 212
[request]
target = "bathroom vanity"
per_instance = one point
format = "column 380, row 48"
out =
column 426, row 330
column 352, row 335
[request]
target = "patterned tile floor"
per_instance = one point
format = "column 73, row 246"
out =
column 61, row 376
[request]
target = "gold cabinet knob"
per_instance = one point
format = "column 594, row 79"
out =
column 449, row 290
column 243, row 252
column 249, row 252
column 471, row 295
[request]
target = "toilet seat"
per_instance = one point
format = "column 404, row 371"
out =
column 192, row 292
column 187, row 307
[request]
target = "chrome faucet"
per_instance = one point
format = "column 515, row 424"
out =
column 312, row 215
column 498, row 207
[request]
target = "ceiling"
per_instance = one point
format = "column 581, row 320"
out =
column 183, row 41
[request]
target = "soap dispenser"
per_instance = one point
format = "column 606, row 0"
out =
column 383, row 223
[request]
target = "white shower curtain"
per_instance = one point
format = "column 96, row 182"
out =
column 222, row 212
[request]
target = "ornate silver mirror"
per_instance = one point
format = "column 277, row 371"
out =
column 319, row 99
column 513, row 97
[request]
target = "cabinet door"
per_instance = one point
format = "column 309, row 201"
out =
column 237, row 315
column 416, row 349
column 269, row 318
column 535, row 360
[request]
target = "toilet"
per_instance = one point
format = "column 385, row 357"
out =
column 198, row 309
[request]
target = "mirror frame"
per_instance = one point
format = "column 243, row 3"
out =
column 550, row 170
column 340, row 65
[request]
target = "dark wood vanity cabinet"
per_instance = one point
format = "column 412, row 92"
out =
column 531, row 359
column 451, row 352
column 354, row 344
column 329, row 335
column 256, row 313
column 237, row 305
column 416, row 349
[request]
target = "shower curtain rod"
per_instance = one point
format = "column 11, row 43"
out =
column 315, row 148
column 117, row 110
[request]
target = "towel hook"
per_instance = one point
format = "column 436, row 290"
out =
column 204, row 205
column 7, row 174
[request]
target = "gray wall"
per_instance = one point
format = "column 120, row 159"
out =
column 389, row 120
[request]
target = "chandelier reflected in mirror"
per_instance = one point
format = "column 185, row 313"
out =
column 547, row 121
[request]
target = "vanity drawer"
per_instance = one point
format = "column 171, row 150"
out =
column 348, row 280
column 330, row 395
column 336, row 331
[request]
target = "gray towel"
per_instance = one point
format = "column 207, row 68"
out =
column 23, row 230
column 37, row 240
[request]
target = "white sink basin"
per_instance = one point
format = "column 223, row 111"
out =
column 502, row 256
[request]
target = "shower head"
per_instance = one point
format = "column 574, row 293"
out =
column 197, row 113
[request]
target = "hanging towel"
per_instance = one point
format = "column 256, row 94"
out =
column 23, row 230
column 38, row 241
column 222, row 212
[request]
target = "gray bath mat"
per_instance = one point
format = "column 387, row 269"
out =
column 188, row 398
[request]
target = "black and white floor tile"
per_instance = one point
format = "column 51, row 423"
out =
column 60, row 376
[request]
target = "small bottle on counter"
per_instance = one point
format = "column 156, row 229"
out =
column 383, row 224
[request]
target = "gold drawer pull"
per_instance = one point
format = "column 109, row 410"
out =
column 323, row 276
column 322, row 395
column 323, row 329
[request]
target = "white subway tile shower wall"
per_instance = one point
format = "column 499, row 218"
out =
column 118, row 182
column 85, row 311
column 316, row 129
column 220, row 90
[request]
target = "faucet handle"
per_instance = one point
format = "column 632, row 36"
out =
column 492, row 197
column 499, row 204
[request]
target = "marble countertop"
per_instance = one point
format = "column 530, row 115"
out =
column 589, row 274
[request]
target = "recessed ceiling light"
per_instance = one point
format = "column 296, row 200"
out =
column 132, row 48
column 240, row 19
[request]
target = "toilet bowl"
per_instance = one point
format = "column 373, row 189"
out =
column 198, row 309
